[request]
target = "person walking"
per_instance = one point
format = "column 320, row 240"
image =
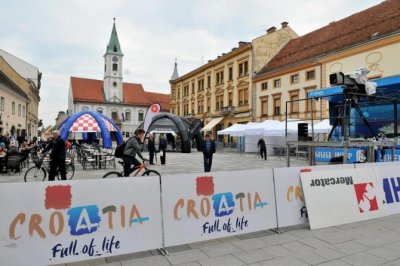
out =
column 208, row 146
column 151, row 147
column 162, row 147
column 263, row 148
column 57, row 156
column 132, row 149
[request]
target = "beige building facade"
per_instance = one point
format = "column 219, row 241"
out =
column 14, row 100
column 20, row 85
column 221, row 92
column 362, row 40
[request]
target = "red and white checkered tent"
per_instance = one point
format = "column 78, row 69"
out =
column 87, row 123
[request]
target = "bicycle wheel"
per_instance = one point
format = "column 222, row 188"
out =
column 70, row 170
column 35, row 174
column 112, row 174
column 149, row 172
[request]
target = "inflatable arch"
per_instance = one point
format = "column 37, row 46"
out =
column 183, row 126
column 104, row 124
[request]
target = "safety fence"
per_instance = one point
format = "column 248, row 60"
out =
column 60, row 222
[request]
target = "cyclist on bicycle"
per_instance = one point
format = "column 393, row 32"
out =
column 131, row 149
column 57, row 156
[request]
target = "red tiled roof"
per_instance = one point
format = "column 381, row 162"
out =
column 379, row 20
column 91, row 90
column 87, row 90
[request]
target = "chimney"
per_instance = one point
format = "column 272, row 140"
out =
column 271, row 30
column 284, row 24
column 242, row 43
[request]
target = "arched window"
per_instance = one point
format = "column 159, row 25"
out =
column 141, row 116
column 85, row 108
column 128, row 116
column 114, row 114
column 99, row 110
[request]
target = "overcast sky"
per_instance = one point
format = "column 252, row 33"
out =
column 69, row 38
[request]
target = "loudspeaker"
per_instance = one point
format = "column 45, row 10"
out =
column 302, row 131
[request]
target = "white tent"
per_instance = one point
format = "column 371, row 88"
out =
column 322, row 127
column 279, row 129
column 258, row 129
column 237, row 130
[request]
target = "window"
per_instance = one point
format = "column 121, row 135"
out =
column 308, row 102
column 13, row 108
column 19, row 110
column 294, row 79
column 200, row 107
column 264, row 86
column 115, row 67
column 23, row 111
column 230, row 73
column 230, row 98
column 243, row 69
column 264, row 106
column 209, row 105
column 99, row 110
column 294, row 106
column 128, row 115
column 310, row 75
column 219, row 102
column 173, row 93
column 2, row 103
column 179, row 93
column 208, row 81
column 185, row 109
column 85, row 108
column 193, row 88
column 243, row 97
column 185, row 90
column 114, row 115
column 200, row 84
column 277, row 83
column 277, row 105
column 220, row 77
column 140, row 115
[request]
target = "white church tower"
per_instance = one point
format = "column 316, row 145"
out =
column 113, row 80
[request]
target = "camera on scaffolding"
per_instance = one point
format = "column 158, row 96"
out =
column 355, row 83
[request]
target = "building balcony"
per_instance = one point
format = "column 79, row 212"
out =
column 228, row 110
column 192, row 115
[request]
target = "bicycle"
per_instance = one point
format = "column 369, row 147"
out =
column 39, row 172
column 138, row 169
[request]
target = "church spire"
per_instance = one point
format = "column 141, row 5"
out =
column 175, row 75
column 113, row 46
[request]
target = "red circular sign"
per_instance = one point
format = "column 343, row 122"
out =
column 154, row 108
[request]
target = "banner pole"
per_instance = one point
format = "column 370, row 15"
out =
column 277, row 229
column 162, row 250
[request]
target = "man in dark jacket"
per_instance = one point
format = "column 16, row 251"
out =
column 131, row 149
column 57, row 156
column 263, row 148
column 151, row 147
column 208, row 151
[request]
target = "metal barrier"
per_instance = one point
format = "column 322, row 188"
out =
column 308, row 149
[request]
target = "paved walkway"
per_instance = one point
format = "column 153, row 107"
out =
column 374, row 242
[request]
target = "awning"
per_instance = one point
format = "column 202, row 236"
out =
column 212, row 124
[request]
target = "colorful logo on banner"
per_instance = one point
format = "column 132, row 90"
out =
column 366, row 197
column 391, row 186
column 75, row 221
column 208, row 203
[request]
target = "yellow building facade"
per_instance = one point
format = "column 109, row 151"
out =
column 19, row 102
column 362, row 40
column 221, row 92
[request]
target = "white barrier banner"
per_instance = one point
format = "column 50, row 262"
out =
column 58, row 222
column 290, row 204
column 204, row 206
column 343, row 196
column 389, row 177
